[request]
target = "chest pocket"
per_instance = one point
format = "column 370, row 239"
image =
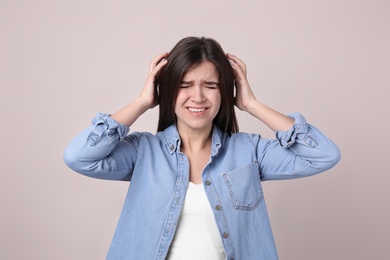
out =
column 244, row 186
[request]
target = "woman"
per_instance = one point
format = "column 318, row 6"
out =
column 195, row 188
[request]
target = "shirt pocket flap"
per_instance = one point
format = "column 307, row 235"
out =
column 244, row 186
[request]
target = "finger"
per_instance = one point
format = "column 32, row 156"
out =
column 160, row 64
column 235, row 58
column 157, row 60
column 236, row 62
column 238, row 70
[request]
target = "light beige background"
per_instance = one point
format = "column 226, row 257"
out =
column 62, row 61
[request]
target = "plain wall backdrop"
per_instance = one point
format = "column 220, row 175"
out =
column 63, row 61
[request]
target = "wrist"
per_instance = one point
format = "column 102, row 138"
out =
column 251, row 106
column 143, row 104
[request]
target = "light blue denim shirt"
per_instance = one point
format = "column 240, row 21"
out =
column 159, row 175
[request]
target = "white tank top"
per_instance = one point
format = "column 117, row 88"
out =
column 197, row 236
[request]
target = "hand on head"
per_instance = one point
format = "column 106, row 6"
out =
column 244, row 95
column 149, row 92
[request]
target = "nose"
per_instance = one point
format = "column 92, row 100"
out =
column 197, row 94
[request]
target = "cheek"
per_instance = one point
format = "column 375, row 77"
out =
column 181, row 96
column 219, row 99
column 217, row 103
column 180, row 101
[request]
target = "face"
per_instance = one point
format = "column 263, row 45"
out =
column 198, row 99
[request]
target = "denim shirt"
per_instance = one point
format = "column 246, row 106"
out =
column 159, row 175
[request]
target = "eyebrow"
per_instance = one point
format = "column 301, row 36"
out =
column 206, row 82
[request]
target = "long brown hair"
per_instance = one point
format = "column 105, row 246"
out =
column 188, row 53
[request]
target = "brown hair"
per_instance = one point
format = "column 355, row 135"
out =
column 188, row 53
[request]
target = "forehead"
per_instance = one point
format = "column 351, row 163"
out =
column 204, row 71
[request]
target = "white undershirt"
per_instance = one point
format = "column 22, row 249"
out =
column 197, row 236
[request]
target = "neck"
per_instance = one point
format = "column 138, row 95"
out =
column 195, row 141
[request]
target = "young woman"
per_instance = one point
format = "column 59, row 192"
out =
column 195, row 188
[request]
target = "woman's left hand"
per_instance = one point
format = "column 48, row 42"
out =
column 245, row 100
column 244, row 95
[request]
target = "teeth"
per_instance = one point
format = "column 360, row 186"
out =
column 197, row 110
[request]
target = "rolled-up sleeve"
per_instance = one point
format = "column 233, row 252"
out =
column 301, row 151
column 101, row 152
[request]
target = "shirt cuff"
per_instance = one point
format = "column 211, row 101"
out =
column 103, row 124
column 288, row 138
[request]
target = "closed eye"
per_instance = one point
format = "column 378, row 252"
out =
column 211, row 84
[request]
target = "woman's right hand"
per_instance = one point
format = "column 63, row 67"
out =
column 149, row 92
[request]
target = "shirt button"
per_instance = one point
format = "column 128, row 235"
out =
column 218, row 207
column 172, row 147
column 225, row 235
column 208, row 183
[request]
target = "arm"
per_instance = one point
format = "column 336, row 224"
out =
column 103, row 150
column 148, row 97
column 300, row 149
column 246, row 100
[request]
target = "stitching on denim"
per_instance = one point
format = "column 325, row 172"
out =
column 286, row 174
column 223, row 214
column 251, row 141
column 232, row 194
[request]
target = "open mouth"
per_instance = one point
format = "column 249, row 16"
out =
column 196, row 110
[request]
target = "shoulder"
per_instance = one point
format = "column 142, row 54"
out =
column 245, row 138
column 138, row 137
column 167, row 136
column 240, row 138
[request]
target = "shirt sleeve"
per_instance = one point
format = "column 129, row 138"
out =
column 301, row 151
column 102, row 151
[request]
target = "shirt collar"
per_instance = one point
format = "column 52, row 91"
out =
column 172, row 139
column 216, row 140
